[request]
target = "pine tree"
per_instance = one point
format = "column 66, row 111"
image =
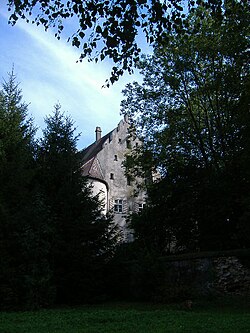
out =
column 22, row 219
column 83, row 238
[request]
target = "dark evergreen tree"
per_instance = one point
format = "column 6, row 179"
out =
column 23, row 277
column 84, row 239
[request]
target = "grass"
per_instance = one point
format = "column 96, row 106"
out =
column 218, row 317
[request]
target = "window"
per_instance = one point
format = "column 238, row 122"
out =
column 128, row 142
column 118, row 206
column 111, row 176
column 116, row 159
column 140, row 207
column 120, row 140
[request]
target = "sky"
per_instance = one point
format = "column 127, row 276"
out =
column 48, row 73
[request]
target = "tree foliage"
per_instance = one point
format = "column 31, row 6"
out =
column 25, row 272
column 84, row 239
column 111, row 29
column 54, row 240
column 192, row 110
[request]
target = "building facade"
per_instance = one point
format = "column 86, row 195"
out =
column 103, row 165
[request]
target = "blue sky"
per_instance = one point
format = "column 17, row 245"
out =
column 48, row 73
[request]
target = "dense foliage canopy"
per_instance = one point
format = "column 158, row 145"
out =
column 192, row 111
column 84, row 239
column 112, row 29
column 53, row 237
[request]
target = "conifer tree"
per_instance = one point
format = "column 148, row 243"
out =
column 83, row 238
column 23, row 220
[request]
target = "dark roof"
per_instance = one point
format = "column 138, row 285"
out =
column 92, row 169
column 90, row 165
column 86, row 167
column 92, row 150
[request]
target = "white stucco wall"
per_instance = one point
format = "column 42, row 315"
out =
column 100, row 188
column 111, row 158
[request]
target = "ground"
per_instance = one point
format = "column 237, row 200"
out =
column 227, row 316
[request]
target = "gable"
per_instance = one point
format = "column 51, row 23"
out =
column 92, row 168
column 91, row 151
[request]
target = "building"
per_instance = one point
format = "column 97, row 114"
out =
column 103, row 165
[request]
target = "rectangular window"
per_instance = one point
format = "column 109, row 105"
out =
column 111, row 176
column 129, row 180
column 140, row 207
column 118, row 206
column 129, row 145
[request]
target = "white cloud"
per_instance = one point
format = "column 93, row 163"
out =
column 49, row 73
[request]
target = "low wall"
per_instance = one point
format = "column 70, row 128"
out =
column 231, row 275
column 185, row 276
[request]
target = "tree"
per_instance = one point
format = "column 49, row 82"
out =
column 25, row 273
column 83, row 239
column 192, row 113
column 111, row 29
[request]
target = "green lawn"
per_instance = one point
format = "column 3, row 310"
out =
column 220, row 317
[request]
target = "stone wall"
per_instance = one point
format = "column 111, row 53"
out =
column 211, row 274
column 231, row 276
column 185, row 277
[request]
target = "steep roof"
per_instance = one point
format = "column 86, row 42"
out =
column 91, row 166
column 93, row 149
